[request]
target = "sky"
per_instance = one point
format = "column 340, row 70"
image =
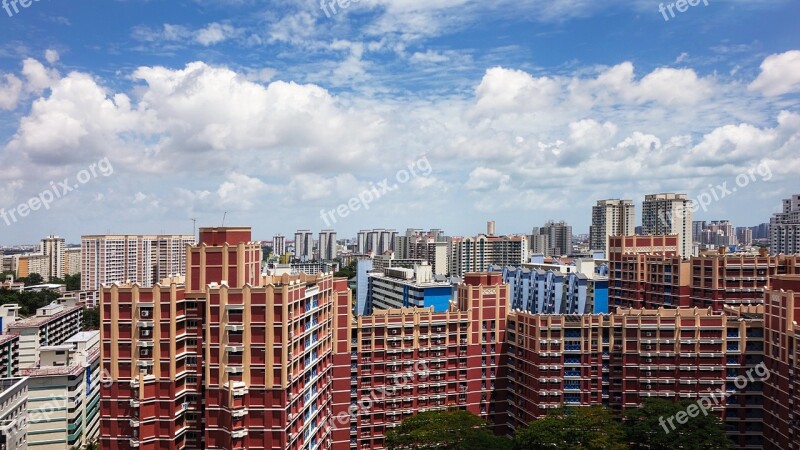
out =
column 138, row 116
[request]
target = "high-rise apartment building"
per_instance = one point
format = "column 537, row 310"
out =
column 303, row 245
column 52, row 247
column 669, row 214
column 328, row 248
column 720, row 279
column 145, row 260
column 376, row 241
column 553, row 239
column 418, row 360
column 612, row 217
column 476, row 254
column 279, row 245
column 228, row 359
column 785, row 228
column 744, row 236
column 647, row 272
column 9, row 355
column 72, row 261
column 781, row 341
column 431, row 246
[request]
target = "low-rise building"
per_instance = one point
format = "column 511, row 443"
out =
column 52, row 325
column 397, row 287
column 14, row 413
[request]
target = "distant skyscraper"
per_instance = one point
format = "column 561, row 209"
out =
column 785, row 228
column 697, row 230
column 304, row 245
column 327, row 245
column 491, row 228
column 145, row 260
column 666, row 214
column 377, row 241
column 279, row 244
column 744, row 236
column 611, row 218
column 553, row 239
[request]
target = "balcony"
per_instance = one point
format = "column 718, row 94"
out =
column 238, row 434
column 134, row 443
column 239, row 413
column 234, row 328
column 239, row 389
column 134, row 422
column 134, row 403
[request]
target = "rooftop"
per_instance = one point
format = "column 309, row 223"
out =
column 38, row 321
column 83, row 336
column 73, row 369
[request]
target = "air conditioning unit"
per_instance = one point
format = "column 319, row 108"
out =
column 145, row 313
column 145, row 352
column 146, row 333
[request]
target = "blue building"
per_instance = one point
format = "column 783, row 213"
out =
column 396, row 287
column 548, row 288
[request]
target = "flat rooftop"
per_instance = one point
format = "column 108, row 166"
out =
column 38, row 321
column 83, row 336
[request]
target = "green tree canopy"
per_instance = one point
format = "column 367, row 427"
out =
column 648, row 427
column 445, row 430
column 583, row 428
column 33, row 279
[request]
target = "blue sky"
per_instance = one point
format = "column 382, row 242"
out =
column 526, row 110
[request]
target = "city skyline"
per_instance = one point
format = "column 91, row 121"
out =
column 269, row 113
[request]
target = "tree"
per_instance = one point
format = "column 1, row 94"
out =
column 91, row 319
column 348, row 271
column 73, row 282
column 28, row 301
column 582, row 428
column 446, row 430
column 33, row 279
column 648, row 427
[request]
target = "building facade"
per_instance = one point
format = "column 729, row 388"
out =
column 145, row 260
column 611, row 218
column 782, row 357
column 476, row 254
column 784, row 228
column 279, row 244
column 248, row 364
column 553, row 239
column 64, row 394
column 52, row 325
column 396, row 287
column 14, row 413
column 669, row 214
column 328, row 248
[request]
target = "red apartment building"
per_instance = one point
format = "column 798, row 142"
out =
column 647, row 272
column 396, row 363
column 228, row 360
column 720, row 279
column 782, row 357
column 621, row 360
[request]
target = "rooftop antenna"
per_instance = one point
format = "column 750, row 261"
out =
column 223, row 218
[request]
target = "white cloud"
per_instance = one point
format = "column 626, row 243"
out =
column 214, row 33
column 780, row 74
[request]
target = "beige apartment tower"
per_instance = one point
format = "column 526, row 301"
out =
column 611, row 218
column 669, row 214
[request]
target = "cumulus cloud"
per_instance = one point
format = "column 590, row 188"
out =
column 780, row 74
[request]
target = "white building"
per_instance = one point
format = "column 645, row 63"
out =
column 612, row 217
column 64, row 412
column 146, row 260
column 669, row 214
column 52, row 325
column 279, row 245
column 785, row 228
column 14, row 413
column 476, row 254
